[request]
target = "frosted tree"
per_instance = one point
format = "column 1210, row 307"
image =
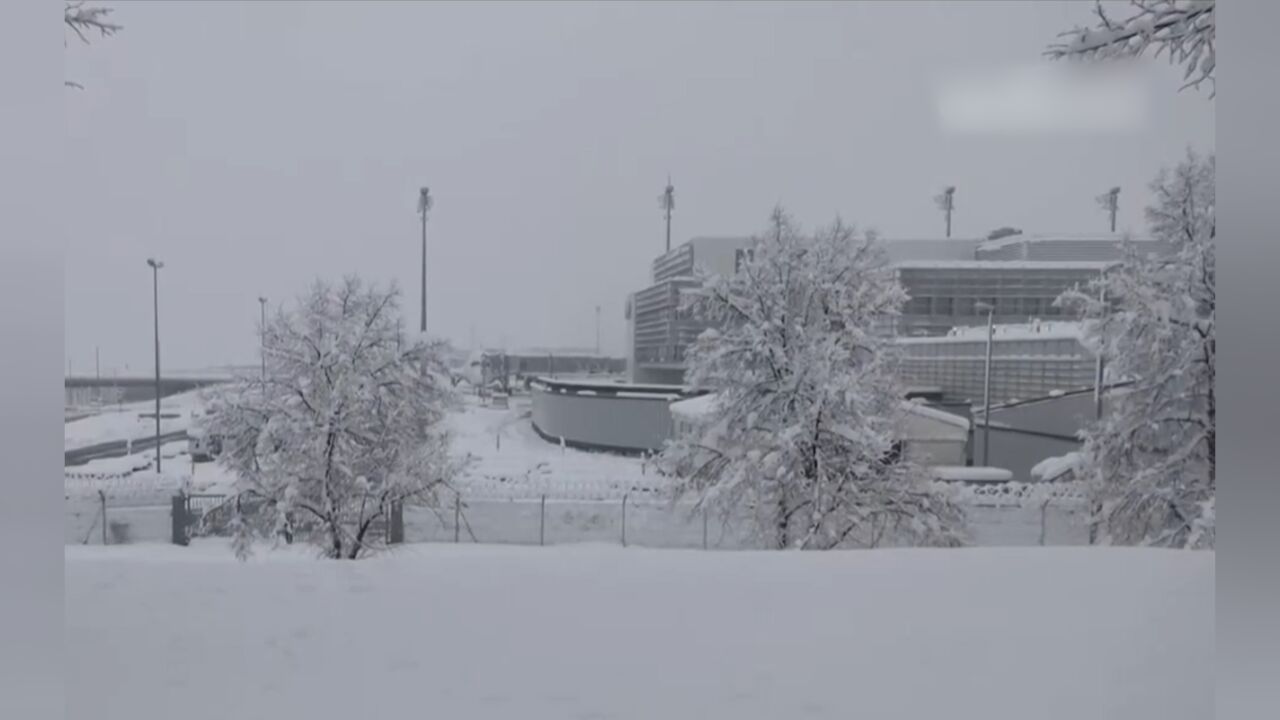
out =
column 84, row 20
column 803, row 430
column 1183, row 30
column 346, row 423
column 1150, row 461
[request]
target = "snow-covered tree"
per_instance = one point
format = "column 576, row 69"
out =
column 1150, row 460
column 347, row 423
column 1181, row 29
column 803, row 431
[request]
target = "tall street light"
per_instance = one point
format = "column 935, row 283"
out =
column 262, row 331
column 986, row 383
column 667, row 201
column 946, row 202
column 155, row 299
column 425, row 202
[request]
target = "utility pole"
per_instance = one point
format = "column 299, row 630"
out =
column 667, row 201
column 155, row 299
column 1110, row 202
column 986, row 385
column 946, row 202
column 597, row 331
column 1101, row 368
column 425, row 202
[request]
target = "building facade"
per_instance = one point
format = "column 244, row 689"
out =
column 661, row 329
column 946, row 293
column 1027, row 361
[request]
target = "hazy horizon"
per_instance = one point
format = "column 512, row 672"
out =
column 255, row 147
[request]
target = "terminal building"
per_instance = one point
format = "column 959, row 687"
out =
column 1038, row 359
column 1019, row 275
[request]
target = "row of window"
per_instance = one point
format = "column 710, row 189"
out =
column 1028, row 306
column 1060, row 347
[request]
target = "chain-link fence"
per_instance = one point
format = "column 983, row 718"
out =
column 105, row 518
column 1005, row 515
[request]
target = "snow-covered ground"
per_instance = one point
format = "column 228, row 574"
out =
column 605, row 632
column 511, row 460
column 125, row 423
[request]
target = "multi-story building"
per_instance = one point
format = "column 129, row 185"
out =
column 659, row 327
column 946, row 279
column 1030, row 360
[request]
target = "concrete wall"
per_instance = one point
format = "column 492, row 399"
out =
column 1018, row 452
column 1064, row 415
column 602, row 421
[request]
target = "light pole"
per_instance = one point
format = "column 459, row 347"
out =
column 597, row 331
column 1110, row 202
column 155, row 300
column 262, row 340
column 946, row 203
column 425, row 202
column 986, row 383
column 667, row 201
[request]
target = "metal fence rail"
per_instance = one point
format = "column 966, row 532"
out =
column 996, row 516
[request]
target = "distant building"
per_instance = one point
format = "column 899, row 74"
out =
column 660, row 329
column 1029, row 360
column 946, row 293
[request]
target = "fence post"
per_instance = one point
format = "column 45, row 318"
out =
column 397, row 522
column 542, row 522
column 704, row 528
column 624, row 519
column 457, row 516
column 102, row 499
column 180, row 520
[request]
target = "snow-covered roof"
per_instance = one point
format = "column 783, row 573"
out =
column 1116, row 238
column 1058, row 330
column 1055, row 467
column 930, row 249
column 935, row 414
column 964, row 473
column 695, row 407
column 1098, row 265
column 698, row 407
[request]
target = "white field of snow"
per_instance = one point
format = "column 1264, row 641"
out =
column 522, row 465
column 124, row 423
column 605, row 632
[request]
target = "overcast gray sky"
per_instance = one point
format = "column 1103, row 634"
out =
column 256, row 146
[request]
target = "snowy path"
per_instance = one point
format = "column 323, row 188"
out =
column 603, row 632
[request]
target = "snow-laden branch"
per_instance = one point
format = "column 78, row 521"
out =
column 1181, row 29
column 83, row 21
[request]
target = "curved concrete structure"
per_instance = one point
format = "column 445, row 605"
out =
column 604, row 416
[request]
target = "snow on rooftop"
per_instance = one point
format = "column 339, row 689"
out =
column 964, row 473
column 1116, row 238
column 1005, row 264
column 1055, row 330
column 1055, row 467
column 933, row 413
column 695, row 407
